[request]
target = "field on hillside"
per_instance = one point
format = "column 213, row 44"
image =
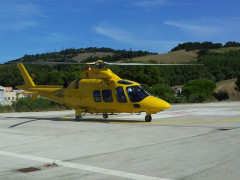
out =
column 228, row 86
column 171, row 57
column 222, row 50
column 83, row 56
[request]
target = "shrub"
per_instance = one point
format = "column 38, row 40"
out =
column 180, row 99
column 221, row 95
column 39, row 104
column 164, row 92
column 199, row 90
column 203, row 52
column 194, row 98
column 6, row 108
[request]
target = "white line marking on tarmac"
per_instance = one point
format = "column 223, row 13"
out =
column 82, row 167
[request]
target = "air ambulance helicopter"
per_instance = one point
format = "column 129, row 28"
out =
column 99, row 91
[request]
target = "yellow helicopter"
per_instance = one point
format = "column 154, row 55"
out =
column 98, row 91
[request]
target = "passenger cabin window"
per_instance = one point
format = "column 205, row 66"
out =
column 121, row 97
column 136, row 93
column 97, row 96
column 107, row 96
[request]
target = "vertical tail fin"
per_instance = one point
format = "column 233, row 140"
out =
column 27, row 79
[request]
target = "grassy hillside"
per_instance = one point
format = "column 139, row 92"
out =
column 228, row 86
column 223, row 50
column 84, row 56
column 171, row 57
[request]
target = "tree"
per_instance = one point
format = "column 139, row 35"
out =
column 232, row 44
column 207, row 45
column 203, row 52
column 199, row 90
column 164, row 92
column 238, row 85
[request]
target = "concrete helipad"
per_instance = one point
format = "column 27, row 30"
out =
column 193, row 141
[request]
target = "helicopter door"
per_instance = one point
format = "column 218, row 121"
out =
column 121, row 97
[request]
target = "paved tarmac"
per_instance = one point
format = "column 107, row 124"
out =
column 192, row 141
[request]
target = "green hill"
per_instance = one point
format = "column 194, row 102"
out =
column 171, row 57
column 83, row 55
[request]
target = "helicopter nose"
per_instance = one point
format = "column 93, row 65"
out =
column 163, row 104
column 167, row 105
column 156, row 104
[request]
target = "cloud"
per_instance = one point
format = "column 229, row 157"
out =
column 113, row 33
column 149, row 4
column 19, row 15
column 18, row 26
column 196, row 29
column 56, row 37
column 134, row 40
column 19, row 9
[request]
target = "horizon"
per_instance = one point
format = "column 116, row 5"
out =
column 36, row 27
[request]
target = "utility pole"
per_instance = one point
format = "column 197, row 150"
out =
column 66, row 58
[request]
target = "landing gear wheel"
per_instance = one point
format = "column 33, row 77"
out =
column 148, row 118
column 105, row 116
column 78, row 118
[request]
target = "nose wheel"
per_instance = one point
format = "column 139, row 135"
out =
column 148, row 118
column 78, row 118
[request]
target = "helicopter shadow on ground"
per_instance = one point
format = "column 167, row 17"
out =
column 110, row 121
column 90, row 120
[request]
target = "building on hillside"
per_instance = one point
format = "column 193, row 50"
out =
column 177, row 91
column 2, row 100
column 11, row 95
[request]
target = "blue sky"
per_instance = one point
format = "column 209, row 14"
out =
column 40, row 26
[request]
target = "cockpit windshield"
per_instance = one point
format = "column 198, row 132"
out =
column 146, row 90
column 136, row 93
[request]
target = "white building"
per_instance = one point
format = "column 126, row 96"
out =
column 11, row 95
column 2, row 100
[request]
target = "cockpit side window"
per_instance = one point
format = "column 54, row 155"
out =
column 107, row 95
column 77, row 84
column 136, row 94
column 121, row 97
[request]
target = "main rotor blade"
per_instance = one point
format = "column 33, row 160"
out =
column 143, row 64
column 106, row 63
column 47, row 62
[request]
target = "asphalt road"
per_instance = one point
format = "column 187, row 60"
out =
column 196, row 141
